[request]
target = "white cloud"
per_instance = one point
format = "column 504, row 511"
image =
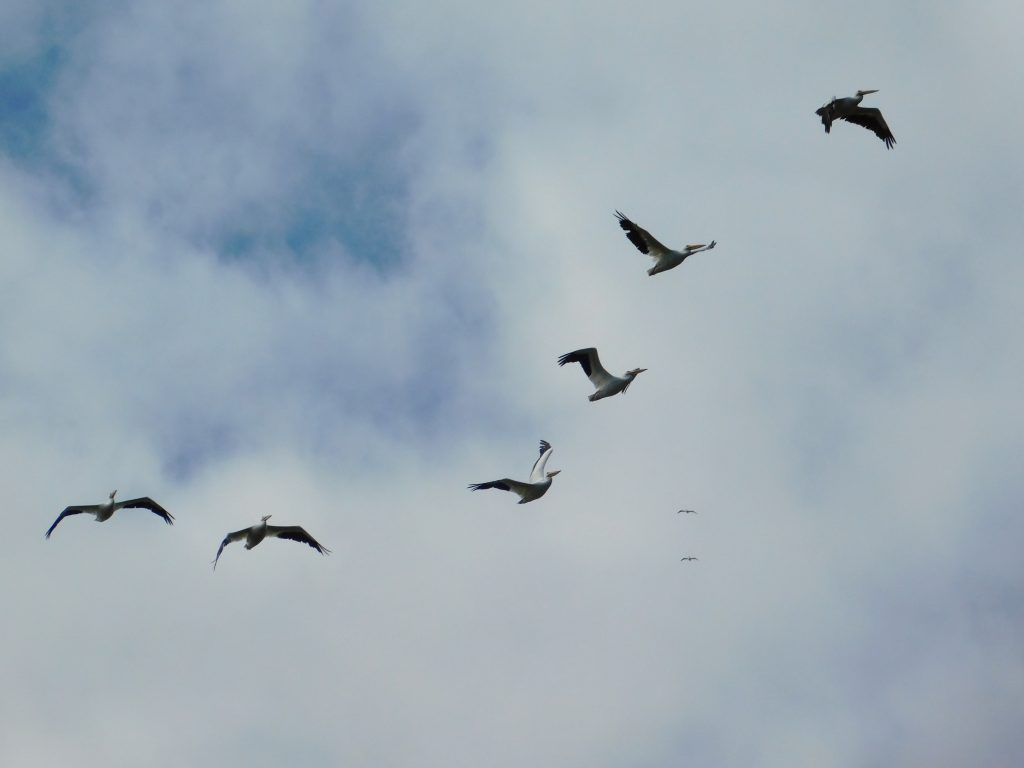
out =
column 202, row 316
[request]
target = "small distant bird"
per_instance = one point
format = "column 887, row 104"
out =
column 103, row 512
column 605, row 384
column 664, row 258
column 255, row 534
column 687, row 558
column 539, row 483
column 849, row 109
column 687, row 512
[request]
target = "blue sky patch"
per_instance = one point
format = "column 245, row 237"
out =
column 24, row 115
column 360, row 206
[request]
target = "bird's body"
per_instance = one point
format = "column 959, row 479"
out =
column 664, row 258
column 256, row 533
column 104, row 511
column 540, row 480
column 253, row 535
column 605, row 385
column 849, row 109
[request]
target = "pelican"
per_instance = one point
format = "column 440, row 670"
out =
column 103, row 512
column 849, row 109
column 687, row 512
column 539, row 483
column 664, row 258
column 687, row 558
column 605, row 385
column 257, row 533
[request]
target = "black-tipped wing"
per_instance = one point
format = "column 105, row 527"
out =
column 71, row 511
column 231, row 537
column 827, row 114
column 591, row 365
column 296, row 533
column 501, row 485
column 581, row 356
column 505, row 484
column 144, row 502
column 871, row 118
column 640, row 237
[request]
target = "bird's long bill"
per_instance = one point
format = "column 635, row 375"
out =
column 553, row 472
column 873, row 90
column 698, row 245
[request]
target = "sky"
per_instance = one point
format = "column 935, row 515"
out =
column 318, row 260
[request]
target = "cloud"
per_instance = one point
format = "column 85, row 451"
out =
column 319, row 261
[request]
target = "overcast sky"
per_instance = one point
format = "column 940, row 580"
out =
column 318, row 260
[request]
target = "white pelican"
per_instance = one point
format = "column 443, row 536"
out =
column 539, row 483
column 605, row 385
column 849, row 109
column 687, row 512
column 103, row 512
column 687, row 558
column 257, row 533
column 664, row 258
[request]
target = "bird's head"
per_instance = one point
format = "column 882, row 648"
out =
column 113, row 493
column 553, row 472
column 265, row 518
column 633, row 374
column 865, row 93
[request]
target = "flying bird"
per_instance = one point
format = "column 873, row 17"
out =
column 257, row 533
column 664, row 258
column 605, row 385
column 539, row 483
column 103, row 512
column 687, row 558
column 849, row 109
column 687, row 512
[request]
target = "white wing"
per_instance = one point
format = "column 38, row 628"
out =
column 538, row 475
column 591, row 365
